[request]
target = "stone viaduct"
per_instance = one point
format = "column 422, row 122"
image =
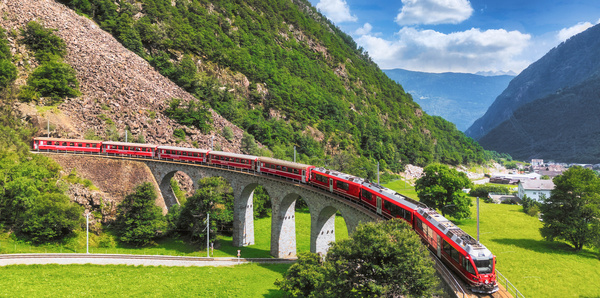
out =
column 322, row 205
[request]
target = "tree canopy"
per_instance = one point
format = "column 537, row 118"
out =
column 380, row 259
column 572, row 212
column 139, row 220
column 441, row 188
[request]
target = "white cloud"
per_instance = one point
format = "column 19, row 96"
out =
column 336, row 10
column 434, row 12
column 566, row 33
column 365, row 29
column 468, row 51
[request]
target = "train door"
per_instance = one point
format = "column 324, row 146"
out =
column 378, row 205
column 439, row 246
column 331, row 184
column 303, row 176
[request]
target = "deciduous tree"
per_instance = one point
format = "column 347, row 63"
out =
column 139, row 220
column 572, row 212
column 441, row 188
column 380, row 259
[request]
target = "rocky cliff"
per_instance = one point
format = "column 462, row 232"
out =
column 117, row 86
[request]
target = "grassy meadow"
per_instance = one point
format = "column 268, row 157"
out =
column 538, row 268
column 247, row 280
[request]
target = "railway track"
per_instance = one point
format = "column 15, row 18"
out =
column 119, row 259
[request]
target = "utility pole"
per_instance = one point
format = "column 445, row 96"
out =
column 126, row 136
column 48, row 127
column 377, row 173
column 294, row 153
column 477, row 220
column 212, row 141
column 87, row 231
column 207, row 234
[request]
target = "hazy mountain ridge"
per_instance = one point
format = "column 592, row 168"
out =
column 460, row 98
column 563, row 127
column 570, row 63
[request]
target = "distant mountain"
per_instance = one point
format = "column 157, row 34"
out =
column 567, row 65
column 562, row 122
column 460, row 98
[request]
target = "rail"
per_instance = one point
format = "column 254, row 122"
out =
column 458, row 290
column 510, row 288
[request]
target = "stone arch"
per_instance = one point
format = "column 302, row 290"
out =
column 167, row 191
column 323, row 230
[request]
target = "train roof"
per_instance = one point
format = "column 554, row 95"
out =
column 235, row 155
column 344, row 176
column 393, row 195
column 66, row 140
column 289, row 164
column 458, row 236
column 130, row 144
column 183, row 149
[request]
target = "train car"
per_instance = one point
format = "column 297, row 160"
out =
column 66, row 145
column 287, row 169
column 180, row 153
column 471, row 260
column 388, row 202
column 241, row 161
column 337, row 182
column 129, row 149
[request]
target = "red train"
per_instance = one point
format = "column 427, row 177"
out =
column 472, row 261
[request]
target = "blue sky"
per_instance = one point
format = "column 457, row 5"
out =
column 495, row 36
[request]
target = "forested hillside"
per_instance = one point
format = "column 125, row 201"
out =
column 563, row 127
column 286, row 75
column 565, row 66
column 460, row 98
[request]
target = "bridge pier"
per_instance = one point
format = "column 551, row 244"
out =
column 322, row 230
column 283, row 226
column 243, row 214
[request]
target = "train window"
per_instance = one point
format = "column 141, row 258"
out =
column 290, row 170
column 321, row 178
column 419, row 224
column 139, row 149
column 237, row 160
column 468, row 266
column 342, row 185
column 295, row 171
column 484, row 266
column 64, row 143
column 120, row 147
column 367, row 195
column 284, row 169
column 451, row 251
column 71, row 144
column 278, row 167
column 87, row 145
column 79, row 145
column 94, row 145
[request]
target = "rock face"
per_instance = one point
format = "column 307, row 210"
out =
column 114, row 178
column 117, row 85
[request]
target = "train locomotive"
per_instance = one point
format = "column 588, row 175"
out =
column 468, row 258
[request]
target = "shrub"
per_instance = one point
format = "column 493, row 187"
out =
column 179, row 133
column 530, row 206
column 8, row 73
column 54, row 79
column 228, row 133
column 193, row 113
column 43, row 42
column 483, row 191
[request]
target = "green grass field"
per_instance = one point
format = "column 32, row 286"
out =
column 537, row 268
column 250, row 280
column 247, row 280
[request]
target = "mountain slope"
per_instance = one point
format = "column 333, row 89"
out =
column 565, row 66
column 563, row 127
column 278, row 69
column 460, row 98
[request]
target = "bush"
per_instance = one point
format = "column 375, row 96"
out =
column 8, row 73
column 194, row 114
column 43, row 42
column 179, row 133
column 483, row 191
column 531, row 206
column 54, row 79
column 228, row 133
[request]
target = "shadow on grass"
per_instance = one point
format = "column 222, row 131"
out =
column 246, row 251
column 543, row 246
column 281, row 269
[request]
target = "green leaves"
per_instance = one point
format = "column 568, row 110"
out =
column 193, row 113
column 53, row 78
column 139, row 220
column 380, row 259
column 572, row 213
column 441, row 188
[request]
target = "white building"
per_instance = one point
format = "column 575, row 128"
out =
column 533, row 189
